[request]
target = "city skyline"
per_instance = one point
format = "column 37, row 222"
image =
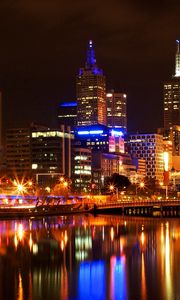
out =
column 43, row 46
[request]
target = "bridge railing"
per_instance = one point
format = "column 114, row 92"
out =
column 137, row 202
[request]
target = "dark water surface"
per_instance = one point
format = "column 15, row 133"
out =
column 86, row 257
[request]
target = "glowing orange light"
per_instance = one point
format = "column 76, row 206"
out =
column 112, row 233
column 141, row 184
column 166, row 161
column 65, row 184
column 47, row 188
column 20, row 232
column 111, row 187
column 65, row 237
column 20, row 187
column 30, row 242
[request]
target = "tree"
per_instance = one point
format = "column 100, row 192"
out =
column 118, row 181
column 62, row 188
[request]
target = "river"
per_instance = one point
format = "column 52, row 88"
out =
column 83, row 257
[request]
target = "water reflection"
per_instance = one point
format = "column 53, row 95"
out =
column 86, row 257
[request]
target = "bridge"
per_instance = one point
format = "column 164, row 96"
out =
column 163, row 207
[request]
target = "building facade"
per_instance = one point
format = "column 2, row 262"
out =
column 92, row 137
column 51, row 153
column 82, row 169
column 105, row 164
column 172, row 96
column 67, row 114
column 91, row 92
column 171, row 140
column 100, row 137
column 117, row 110
column 18, row 152
column 150, row 148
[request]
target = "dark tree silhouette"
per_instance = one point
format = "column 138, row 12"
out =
column 118, row 181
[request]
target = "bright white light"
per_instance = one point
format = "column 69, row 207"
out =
column 166, row 160
column 34, row 166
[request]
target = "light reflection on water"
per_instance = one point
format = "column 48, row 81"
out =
column 86, row 257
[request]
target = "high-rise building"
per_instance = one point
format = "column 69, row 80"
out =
column 51, row 153
column 150, row 148
column 100, row 138
column 172, row 96
column 116, row 110
column 67, row 114
column 39, row 152
column 91, row 92
column 18, row 152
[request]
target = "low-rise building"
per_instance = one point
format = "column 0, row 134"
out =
column 82, row 169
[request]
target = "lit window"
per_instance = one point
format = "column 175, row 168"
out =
column 34, row 166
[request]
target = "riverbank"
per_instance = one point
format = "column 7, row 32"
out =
column 23, row 211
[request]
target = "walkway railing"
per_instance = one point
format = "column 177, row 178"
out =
column 142, row 203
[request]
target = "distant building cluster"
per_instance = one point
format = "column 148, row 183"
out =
column 92, row 142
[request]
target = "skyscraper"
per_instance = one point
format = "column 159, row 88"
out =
column 116, row 110
column 91, row 92
column 67, row 114
column 172, row 95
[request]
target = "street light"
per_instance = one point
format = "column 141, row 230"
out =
column 47, row 189
column 65, row 183
column 141, row 186
column 112, row 188
column 20, row 187
column 61, row 179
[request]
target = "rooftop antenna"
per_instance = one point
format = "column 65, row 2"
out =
column 91, row 60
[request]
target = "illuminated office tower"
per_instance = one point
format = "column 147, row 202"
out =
column 172, row 96
column 150, row 148
column 81, row 169
column 39, row 151
column 67, row 114
column 91, row 92
column 116, row 110
column 51, row 153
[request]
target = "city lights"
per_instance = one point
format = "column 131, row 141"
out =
column 166, row 161
column 20, row 187
column 141, row 185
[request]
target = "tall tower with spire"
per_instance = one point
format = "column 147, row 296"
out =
column 172, row 95
column 177, row 62
column 91, row 92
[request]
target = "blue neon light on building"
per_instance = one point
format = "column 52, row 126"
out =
column 90, row 132
column 115, row 132
column 99, row 130
column 68, row 104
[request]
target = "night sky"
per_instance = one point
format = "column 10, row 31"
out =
column 43, row 43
